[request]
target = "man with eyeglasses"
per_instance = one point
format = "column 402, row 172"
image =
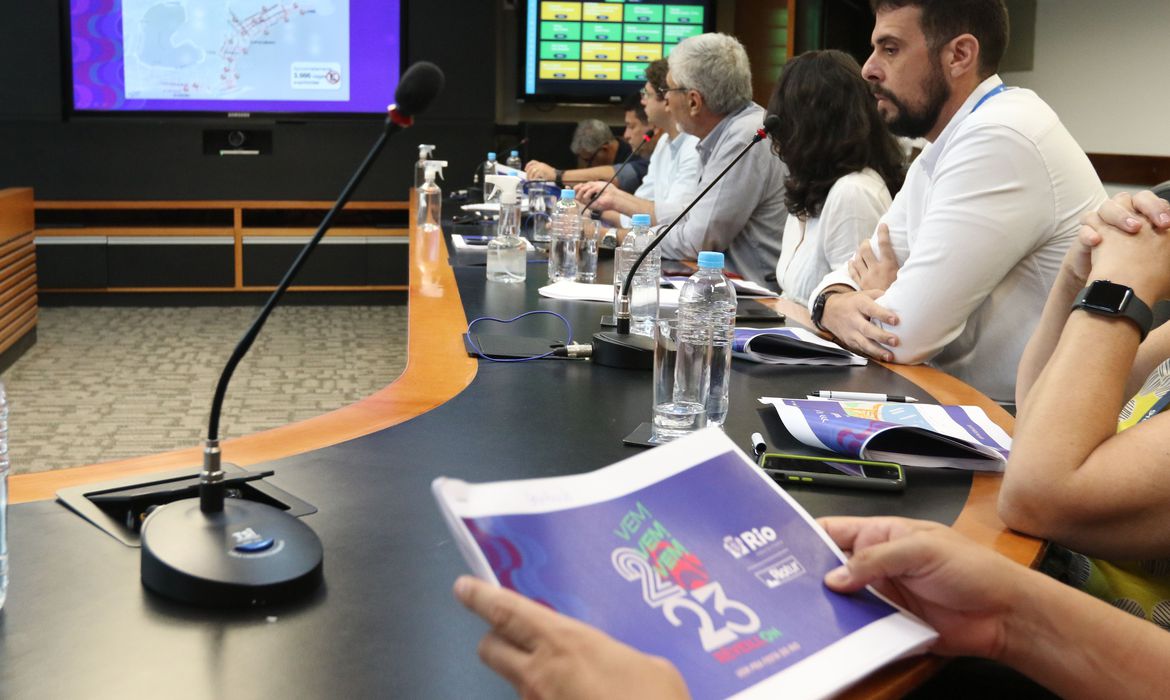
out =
column 708, row 92
column 598, row 153
column 673, row 176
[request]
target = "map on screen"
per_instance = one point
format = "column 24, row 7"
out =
column 216, row 50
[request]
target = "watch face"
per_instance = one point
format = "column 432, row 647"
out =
column 1107, row 296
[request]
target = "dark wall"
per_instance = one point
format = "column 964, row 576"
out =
column 133, row 158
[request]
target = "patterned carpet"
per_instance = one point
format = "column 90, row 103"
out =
column 111, row 383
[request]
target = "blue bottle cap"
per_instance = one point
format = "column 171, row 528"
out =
column 711, row 259
column 640, row 219
column 515, row 154
column 491, row 155
column 568, row 194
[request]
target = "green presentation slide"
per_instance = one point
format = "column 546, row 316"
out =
column 588, row 40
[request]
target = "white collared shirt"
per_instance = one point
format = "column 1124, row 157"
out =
column 979, row 230
column 673, row 178
column 813, row 248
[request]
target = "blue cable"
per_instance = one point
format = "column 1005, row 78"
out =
column 474, row 346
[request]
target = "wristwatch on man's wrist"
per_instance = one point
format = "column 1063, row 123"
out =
column 818, row 307
column 1111, row 299
column 559, row 178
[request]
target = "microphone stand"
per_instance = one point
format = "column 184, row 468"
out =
column 214, row 553
column 621, row 348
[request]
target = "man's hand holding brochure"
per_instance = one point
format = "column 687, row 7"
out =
column 691, row 553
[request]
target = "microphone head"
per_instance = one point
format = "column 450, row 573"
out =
column 771, row 124
column 420, row 84
column 649, row 134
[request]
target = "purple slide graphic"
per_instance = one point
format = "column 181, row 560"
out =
column 278, row 56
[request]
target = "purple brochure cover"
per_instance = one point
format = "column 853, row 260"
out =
column 710, row 568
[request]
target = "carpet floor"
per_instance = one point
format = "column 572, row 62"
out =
column 110, row 383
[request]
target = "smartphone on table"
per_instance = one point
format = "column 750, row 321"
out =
column 833, row 471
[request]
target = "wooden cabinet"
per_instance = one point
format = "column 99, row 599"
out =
column 217, row 246
column 18, row 275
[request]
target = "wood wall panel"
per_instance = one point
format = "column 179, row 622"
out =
column 18, row 279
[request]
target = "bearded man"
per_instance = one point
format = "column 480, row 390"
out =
column 959, row 269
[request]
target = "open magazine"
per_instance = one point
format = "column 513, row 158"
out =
column 914, row 434
column 790, row 346
column 690, row 552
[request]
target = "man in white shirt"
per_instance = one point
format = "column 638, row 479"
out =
column 673, row 178
column 987, row 211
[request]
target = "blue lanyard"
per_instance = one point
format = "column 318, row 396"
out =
column 994, row 91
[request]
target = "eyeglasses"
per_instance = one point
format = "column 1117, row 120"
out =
column 651, row 94
column 588, row 161
column 670, row 90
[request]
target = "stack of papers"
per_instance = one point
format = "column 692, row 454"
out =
column 579, row 291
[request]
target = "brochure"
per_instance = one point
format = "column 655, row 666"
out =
column 912, row 434
column 690, row 552
column 790, row 346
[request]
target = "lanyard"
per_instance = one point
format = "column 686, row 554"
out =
column 992, row 93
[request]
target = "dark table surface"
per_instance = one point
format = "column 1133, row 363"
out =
column 79, row 624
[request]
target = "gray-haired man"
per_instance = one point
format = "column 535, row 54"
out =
column 709, row 94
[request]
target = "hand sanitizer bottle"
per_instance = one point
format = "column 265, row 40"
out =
column 507, row 253
column 426, row 152
column 430, row 198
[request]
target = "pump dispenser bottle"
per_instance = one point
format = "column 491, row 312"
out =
column 507, row 253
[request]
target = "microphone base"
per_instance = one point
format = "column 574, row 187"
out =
column 218, row 560
column 624, row 350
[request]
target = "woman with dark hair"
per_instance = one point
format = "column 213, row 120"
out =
column 843, row 166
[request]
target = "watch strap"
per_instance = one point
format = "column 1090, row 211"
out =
column 818, row 308
column 1132, row 308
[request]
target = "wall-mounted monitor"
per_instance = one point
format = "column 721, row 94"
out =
column 598, row 51
column 233, row 57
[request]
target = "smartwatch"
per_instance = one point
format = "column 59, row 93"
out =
column 1111, row 299
column 818, row 308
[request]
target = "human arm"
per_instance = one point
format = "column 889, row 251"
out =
column 990, row 211
column 613, row 199
column 983, row 605
column 684, row 182
column 1072, row 477
column 545, row 654
column 874, row 268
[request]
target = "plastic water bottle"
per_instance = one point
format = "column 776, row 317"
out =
column 3, row 495
column 706, row 318
column 488, row 168
column 514, row 161
column 566, row 238
column 644, row 290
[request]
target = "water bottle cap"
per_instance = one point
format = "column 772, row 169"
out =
column 640, row 219
column 568, row 194
column 515, row 154
column 711, row 259
column 491, row 155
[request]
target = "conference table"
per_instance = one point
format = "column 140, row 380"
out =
column 78, row 623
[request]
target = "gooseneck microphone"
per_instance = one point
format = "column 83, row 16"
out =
column 215, row 552
column 622, row 348
column 646, row 138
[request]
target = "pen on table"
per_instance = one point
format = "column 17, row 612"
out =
column 758, row 445
column 861, row 396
